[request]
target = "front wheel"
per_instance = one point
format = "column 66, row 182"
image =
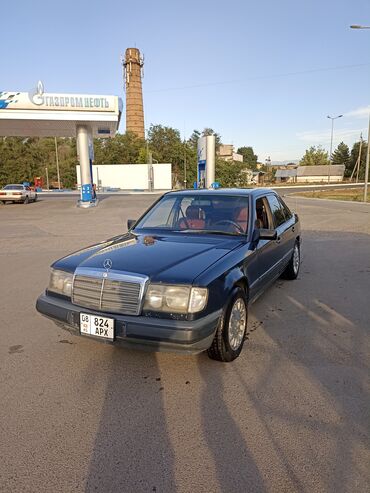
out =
column 292, row 269
column 230, row 334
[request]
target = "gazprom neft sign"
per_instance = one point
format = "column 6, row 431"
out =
column 50, row 101
column 85, row 102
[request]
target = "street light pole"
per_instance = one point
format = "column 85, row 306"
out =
column 367, row 163
column 358, row 26
column 332, row 118
column 57, row 160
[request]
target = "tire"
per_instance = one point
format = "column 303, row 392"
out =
column 26, row 200
column 2, row 202
column 35, row 199
column 292, row 269
column 228, row 344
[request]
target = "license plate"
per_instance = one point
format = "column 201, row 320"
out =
column 94, row 325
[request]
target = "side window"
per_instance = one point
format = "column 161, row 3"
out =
column 263, row 214
column 277, row 210
column 287, row 211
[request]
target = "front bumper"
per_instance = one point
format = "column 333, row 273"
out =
column 140, row 332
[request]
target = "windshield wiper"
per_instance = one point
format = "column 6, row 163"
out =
column 208, row 231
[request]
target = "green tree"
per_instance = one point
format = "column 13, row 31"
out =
column 341, row 154
column 249, row 157
column 193, row 139
column 353, row 159
column 167, row 147
column 231, row 173
column 314, row 156
column 121, row 149
column 210, row 131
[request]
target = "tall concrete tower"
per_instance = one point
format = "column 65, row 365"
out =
column 133, row 64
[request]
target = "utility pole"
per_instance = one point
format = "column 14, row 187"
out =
column 57, row 160
column 185, row 181
column 47, row 178
column 355, row 168
column 367, row 163
column 332, row 118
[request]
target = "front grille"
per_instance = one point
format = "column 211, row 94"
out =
column 108, row 292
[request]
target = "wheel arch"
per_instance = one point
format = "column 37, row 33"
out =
column 237, row 279
column 244, row 285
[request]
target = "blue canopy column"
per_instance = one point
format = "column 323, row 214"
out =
column 83, row 138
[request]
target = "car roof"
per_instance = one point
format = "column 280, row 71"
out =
column 224, row 191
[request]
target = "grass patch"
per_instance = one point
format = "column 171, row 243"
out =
column 354, row 195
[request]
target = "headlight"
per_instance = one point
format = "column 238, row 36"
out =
column 176, row 299
column 61, row 282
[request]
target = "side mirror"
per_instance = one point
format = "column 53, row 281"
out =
column 267, row 234
column 130, row 223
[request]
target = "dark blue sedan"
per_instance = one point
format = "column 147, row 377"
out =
column 182, row 277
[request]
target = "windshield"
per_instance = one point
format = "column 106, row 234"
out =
column 13, row 187
column 199, row 214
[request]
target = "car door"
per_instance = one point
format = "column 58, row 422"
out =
column 283, row 225
column 261, row 264
column 290, row 230
column 29, row 193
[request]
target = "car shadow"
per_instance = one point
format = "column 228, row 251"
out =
column 234, row 463
column 329, row 355
column 132, row 450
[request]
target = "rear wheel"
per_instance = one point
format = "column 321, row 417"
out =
column 292, row 269
column 230, row 334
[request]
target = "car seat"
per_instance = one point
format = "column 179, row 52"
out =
column 261, row 217
column 241, row 218
column 193, row 218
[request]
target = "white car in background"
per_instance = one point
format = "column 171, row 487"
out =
column 17, row 193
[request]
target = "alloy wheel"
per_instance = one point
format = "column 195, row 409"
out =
column 237, row 323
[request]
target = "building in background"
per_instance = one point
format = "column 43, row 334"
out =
column 157, row 176
column 133, row 64
column 311, row 174
column 226, row 152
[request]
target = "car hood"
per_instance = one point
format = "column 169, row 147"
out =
column 170, row 258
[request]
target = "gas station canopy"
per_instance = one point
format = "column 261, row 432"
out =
column 39, row 114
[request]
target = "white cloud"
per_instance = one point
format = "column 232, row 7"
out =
column 362, row 112
column 317, row 137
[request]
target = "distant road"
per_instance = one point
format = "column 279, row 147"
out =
column 283, row 190
column 286, row 190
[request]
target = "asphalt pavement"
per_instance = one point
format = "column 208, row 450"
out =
column 290, row 415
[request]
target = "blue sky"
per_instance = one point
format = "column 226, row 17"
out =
column 261, row 73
